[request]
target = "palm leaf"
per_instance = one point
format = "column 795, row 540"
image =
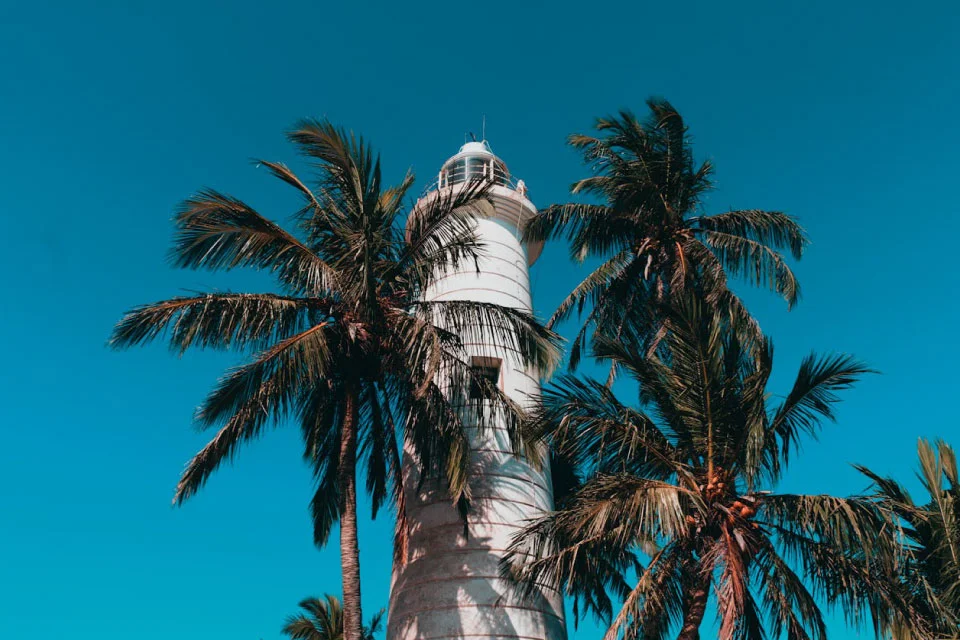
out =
column 215, row 231
column 250, row 396
column 773, row 229
column 273, row 377
column 655, row 602
column 504, row 328
column 757, row 261
column 811, row 399
column 220, row 320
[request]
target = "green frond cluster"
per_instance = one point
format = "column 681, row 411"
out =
column 685, row 478
column 651, row 233
column 928, row 574
column 322, row 619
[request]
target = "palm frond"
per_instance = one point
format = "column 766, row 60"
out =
column 505, row 329
column 655, row 603
column 791, row 607
column 252, row 395
column 929, row 577
column 324, row 620
column 320, row 417
column 547, row 554
column 599, row 279
column 391, row 198
column 437, row 431
column 299, row 627
column 220, row 320
column 848, row 522
column 344, row 160
column 811, row 400
column 215, row 231
column 591, row 229
column 584, row 421
column 285, row 173
column 245, row 425
column 274, row 376
column 756, row 261
column 650, row 188
column 374, row 626
column 600, row 509
column 441, row 230
column 774, row 229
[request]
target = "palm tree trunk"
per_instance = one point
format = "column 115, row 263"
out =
column 349, row 546
column 695, row 606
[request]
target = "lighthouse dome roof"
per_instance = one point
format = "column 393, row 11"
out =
column 474, row 148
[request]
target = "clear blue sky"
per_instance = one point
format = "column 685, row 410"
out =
column 110, row 114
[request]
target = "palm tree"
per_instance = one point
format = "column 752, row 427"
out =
column 685, row 479
column 323, row 620
column 650, row 229
column 347, row 348
column 930, row 573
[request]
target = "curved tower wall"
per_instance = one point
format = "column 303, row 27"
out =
column 449, row 587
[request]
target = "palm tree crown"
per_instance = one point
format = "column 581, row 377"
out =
column 323, row 620
column 347, row 349
column 684, row 479
column 650, row 229
column 929, row 577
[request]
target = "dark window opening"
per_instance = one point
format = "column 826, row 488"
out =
column 483, row 369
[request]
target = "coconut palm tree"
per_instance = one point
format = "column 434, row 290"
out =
column 323, row 620
column 650, row 229
column 685, row 478
column 930, row 573
column 346, row 348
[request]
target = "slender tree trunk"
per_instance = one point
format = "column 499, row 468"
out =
column 695, row 606
column 626, row 313
column 706, row 393
column 349, row 546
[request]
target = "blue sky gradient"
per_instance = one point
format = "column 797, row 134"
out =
column 111, row 114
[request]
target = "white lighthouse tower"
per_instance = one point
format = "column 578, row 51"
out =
column 449, row 586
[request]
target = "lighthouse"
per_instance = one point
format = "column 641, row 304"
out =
column 449, row 584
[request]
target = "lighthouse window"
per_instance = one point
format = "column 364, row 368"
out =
column 476, row 168
column 456, row 171
column 483, row 369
